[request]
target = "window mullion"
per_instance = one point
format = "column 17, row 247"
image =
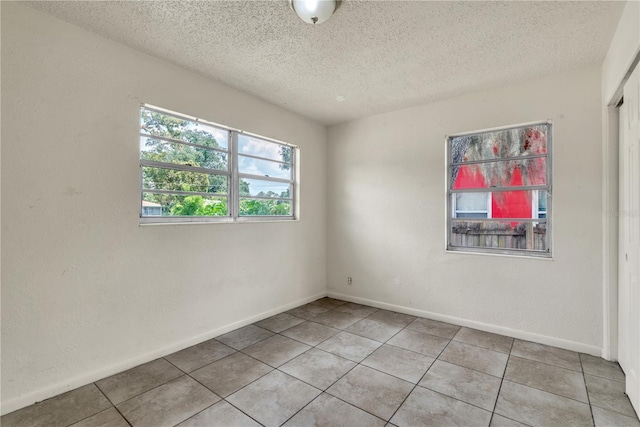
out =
column 235, row 181
column 544, row 187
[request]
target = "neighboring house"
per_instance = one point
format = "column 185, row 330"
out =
column 510, row 204
column 151, row 209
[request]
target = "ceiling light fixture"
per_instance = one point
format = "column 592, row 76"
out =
column 314, row 11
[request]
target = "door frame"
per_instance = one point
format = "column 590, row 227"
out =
column 610, row 211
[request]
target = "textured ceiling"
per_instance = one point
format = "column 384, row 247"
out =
column 370, row 57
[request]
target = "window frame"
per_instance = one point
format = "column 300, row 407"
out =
column 232, row 195
column 450, row 195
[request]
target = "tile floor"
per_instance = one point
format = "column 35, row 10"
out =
column 332, row 363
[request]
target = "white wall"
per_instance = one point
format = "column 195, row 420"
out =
column 386, row 216
column 624, row 48
column 86, row 291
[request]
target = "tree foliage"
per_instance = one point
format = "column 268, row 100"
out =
column 503, row 146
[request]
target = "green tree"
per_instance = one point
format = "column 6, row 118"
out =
column 196, row 205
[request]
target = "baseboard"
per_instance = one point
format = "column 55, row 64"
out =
column 514, row 333
column 90, row 377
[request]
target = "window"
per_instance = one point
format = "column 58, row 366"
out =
column 193, row 170
column 499, row 190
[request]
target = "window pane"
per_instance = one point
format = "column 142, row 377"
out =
column 472, row 201
column 180, row 205
column 261, row 148
column 499, row 235
column 500, row 144
column 168, row 152
column 512, row 204
column 158, row 124
column 266, row 168
column 175, row 180
column 542, row 201
column 258, row 187
column 261, row 207
column 471, row 215
column 505, row 173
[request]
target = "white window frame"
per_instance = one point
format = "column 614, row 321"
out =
column 450, row 194
column 233, row 177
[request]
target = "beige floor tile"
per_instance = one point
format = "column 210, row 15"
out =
column 484, row 339
column 429, row 345
column 274, row 398
column 473, row 387
column 329, row 302
column 599, row 367
column 539, row 408
column 221, row 414
column 244, row 337
column 373, row 329
column 349, row 346
column 168, row 404
column 433, row 327
column 372, row 391
column 318, row 368
column 542, row 376
column 336, row 319
column 481, row 359
column 62, row 410
column 546, row 354
column 230, row 374
column 327, row 411
column 605, row 418
column 310, row 333
column 276, row 350
column 133, row 382
column 609, row 394
column 392, row 318
column 307, row 311
column 356, row 309
column 500, row 421
column 427, row 408
column 279, row 322
column 109, row 418
column 404, row 364
column 197, row 356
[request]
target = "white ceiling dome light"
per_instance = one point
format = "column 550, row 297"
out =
column 314, row 11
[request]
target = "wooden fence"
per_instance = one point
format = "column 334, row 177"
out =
column 531, row 236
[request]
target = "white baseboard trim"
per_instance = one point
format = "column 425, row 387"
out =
column 93, row 376
column 514, row 333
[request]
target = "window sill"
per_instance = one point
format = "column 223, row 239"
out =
column 221, row 221
column 525, row 255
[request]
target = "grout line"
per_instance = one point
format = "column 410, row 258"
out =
column 112, row 405
column 357, row 407
column 495, row 404
column 252, row 324
column 416, row 384
column 199, row 412
column 234, row 406
column 548, row 364
column 152, row 388
column 308, row 403
column 586, row 389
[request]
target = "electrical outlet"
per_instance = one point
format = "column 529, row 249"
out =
column 349, row 280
